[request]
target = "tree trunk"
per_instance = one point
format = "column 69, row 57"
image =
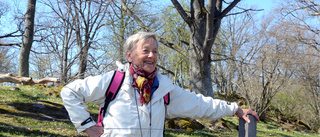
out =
column 27, row 39
column 64, row 59
column 83, row 62
column 200, row 65
column 123, row 24
column 204, row 29
column 65, row 66
column 204, row 22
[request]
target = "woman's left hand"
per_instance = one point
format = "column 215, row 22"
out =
column 242, row 113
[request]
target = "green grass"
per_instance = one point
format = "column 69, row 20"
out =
column 31, row 111
column 263, row 130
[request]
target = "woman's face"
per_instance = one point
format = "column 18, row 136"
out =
column 144, row 55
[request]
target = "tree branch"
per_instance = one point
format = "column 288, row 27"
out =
column 173, row 46
column 11, row 34
column 169, row 71
column 228, row 9
column 226, row 58
column 245, row 10
column 141, row 24
column 11, row 44
column 182, row 12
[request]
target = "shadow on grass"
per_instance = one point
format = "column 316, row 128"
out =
column 230, row 124
column 10, row 130
column 40, row 110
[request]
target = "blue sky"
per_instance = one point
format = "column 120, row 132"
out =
column 267, row 5
column 261, row 4
column 256, row 4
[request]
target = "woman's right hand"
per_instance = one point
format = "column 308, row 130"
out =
column 94, row 131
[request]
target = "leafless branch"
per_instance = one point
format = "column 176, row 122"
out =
column 228, row 9
column 11, row 34
column 182, row 12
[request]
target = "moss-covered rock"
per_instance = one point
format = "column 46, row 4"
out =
column 54, row 91
column 40, row 86
column 183, row 123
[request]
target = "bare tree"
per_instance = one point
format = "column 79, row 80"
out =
column 6, row 60
column 27, row 39
column 88, row 16
column 309, row 75
column 121, row 26
column 43, row 66
column 269, row 67
column 15, row 35
column 235, row 34
column 305, row 17
column 60, row 38
column 6, row 56
column 81, row 22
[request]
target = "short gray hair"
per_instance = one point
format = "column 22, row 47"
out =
column 131, row 42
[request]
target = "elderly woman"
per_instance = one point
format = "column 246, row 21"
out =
column 139, row 109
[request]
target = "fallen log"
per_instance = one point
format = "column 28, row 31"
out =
column 25, row 80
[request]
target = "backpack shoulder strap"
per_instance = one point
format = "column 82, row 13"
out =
column 115, row 85
column 166, row 99
column 166, row 102
column 111, row 93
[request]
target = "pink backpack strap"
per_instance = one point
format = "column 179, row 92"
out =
column 167, row 99
column 111, row 93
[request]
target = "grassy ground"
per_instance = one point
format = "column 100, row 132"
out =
column 263, row 130
column 30, row 111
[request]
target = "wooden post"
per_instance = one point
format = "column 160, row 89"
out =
column 248, row 129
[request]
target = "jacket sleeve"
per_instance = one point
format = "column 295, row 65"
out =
column 189, row 104
column 74, row 95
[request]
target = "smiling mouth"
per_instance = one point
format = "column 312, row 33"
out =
column 148, row 62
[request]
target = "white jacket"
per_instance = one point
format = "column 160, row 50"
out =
column 126, row 118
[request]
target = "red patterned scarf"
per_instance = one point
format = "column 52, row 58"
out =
column 142, row 81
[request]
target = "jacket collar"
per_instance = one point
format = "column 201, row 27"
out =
column 165, row 84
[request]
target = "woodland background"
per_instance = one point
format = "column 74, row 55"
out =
column 271, row 60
